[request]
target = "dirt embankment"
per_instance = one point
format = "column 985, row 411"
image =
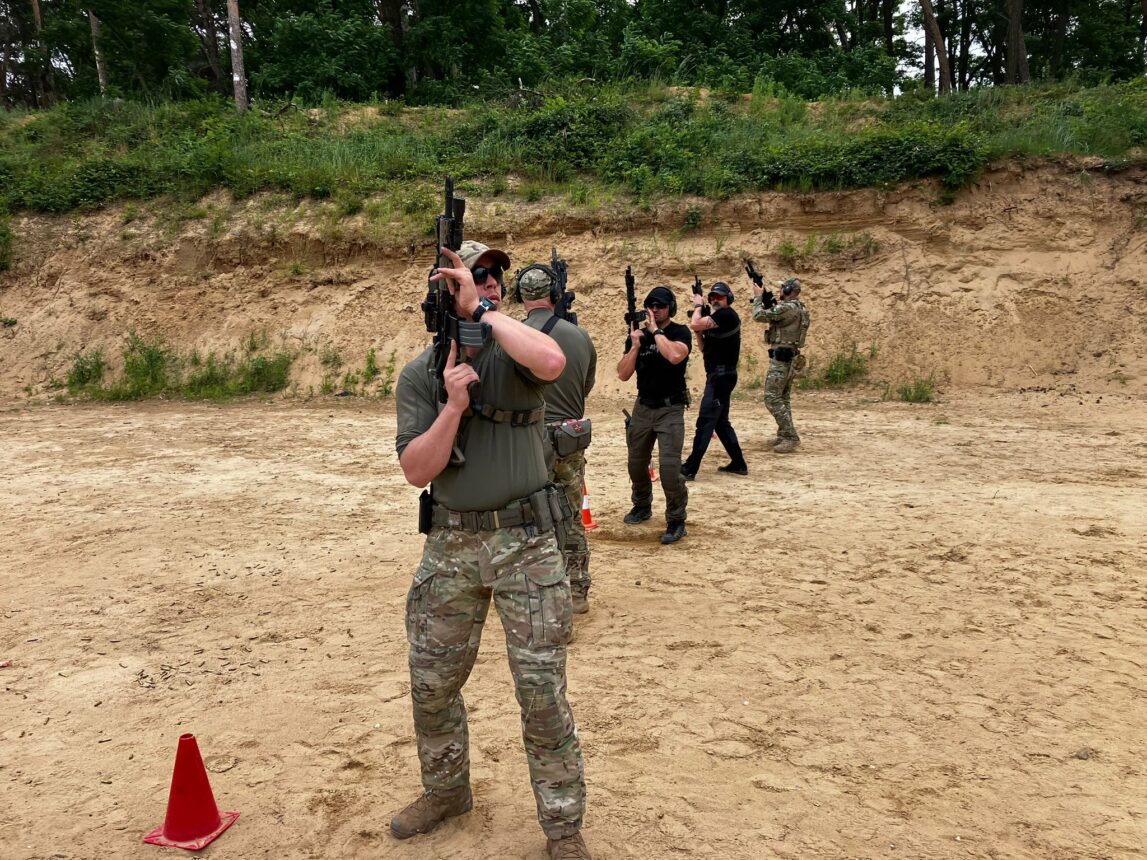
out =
column 1032, row 278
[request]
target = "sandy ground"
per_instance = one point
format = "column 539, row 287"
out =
column 920, row 637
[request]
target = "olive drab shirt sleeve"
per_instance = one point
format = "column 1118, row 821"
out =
column 416, row 399
column 591, row 374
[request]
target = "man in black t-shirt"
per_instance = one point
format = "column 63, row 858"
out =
column 720, row 338
column 658, row 352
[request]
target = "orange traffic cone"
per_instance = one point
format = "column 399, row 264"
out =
column 586, row 513
column 652, row 474
column 193, row 820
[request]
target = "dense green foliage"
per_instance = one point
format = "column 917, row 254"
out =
column 647, row 141
column 451, row 51
column 151, row 368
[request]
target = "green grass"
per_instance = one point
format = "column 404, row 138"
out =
column 153, row 369
column 386, row 388
column 847, row 366
column 87, row 370
column 917, row 391
column 640, row 138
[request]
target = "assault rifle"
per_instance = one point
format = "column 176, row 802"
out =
column 562, row 306
column 438, row 309
column 632, row 317
column 757, row 278
column 697, row 291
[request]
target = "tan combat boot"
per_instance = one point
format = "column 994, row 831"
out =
column 430, row 810
column 786, row 446
column 580, row 601
column 568, row 848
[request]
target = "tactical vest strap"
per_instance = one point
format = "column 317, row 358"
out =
column 712, row 334
column 550, row 323
column 515, row 418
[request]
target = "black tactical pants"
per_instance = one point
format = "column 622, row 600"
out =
column 664, row 425
column 713, row 416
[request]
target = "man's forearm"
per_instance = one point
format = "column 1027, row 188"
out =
column 529, row 347
column 426, row 456
column 627, row 365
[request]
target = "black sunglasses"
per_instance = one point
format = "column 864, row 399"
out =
column 483, row 272
column 656, row 305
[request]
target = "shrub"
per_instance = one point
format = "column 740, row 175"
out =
column 146, row 368
column 87, row 370
column 846, row 367
column 918, row 391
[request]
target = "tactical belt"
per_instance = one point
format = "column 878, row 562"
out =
column 545, row 510
column 775, row 349
column 515, row 418
column 519, row 513
column 662, row 402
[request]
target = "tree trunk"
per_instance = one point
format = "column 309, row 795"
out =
column 4, row 55
column 238, row 73
column 42, row 80
column 963, row 78
column 1017, row 72
column 97, row 52
column 938, row 41
column 537, row 19
column 1143, row 36
column 929, row 63
column 889, row 33
column 209, row 40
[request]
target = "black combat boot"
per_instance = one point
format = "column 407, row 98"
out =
column 638, row 515
column 430, row 810
column 674, row 532
column 734, row 469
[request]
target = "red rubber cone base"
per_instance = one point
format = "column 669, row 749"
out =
column 193, row 820
column 156, row 837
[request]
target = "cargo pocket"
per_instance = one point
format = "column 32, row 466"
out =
column 417, row 622
column 551, row 610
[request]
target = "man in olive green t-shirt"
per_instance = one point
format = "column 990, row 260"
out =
column 490, row 535
column 538, row 290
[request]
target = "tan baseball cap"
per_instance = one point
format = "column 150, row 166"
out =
column 472, row 252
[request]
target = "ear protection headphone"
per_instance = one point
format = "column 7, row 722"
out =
column 555, row 290
column 672, row 301
column 789, row 286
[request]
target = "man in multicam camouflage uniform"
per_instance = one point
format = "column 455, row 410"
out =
column 539, row 291
column 490, row 534
column 788, row 322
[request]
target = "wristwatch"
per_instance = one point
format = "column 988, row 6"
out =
column 483, row 306
column 658, row 331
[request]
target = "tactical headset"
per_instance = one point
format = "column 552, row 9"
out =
column 790, row 286
column 672, row 299
column 555, row 288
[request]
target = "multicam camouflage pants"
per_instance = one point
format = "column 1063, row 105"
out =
column 778, row 386
column 445, row 611
column 569, row 474
column 664, row 425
